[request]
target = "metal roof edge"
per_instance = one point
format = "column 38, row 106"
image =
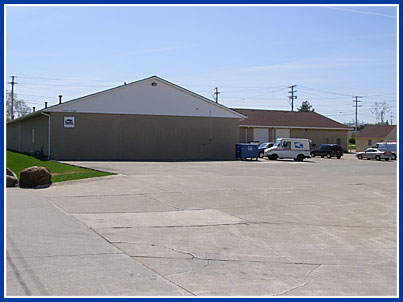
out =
column 240, row 115
column 32, row 114
column 99, row 92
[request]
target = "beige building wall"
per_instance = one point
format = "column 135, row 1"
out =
column 142, row 137
column 319, row 136
column 245, row 135
column 362, row 143
column 242, row 135
column 392, row 136
column 28, row 136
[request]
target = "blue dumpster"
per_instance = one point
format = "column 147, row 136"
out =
column 244, row 151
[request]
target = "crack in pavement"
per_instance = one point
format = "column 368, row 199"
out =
column 154, row 271
column 166, row 278
column 237, row 260
column 320, row 225
column 165, row 203
column 191, row 271
column 69, row 255
column 173, row 226
column 305, row 283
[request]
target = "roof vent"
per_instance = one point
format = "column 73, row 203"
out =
column 153, row 84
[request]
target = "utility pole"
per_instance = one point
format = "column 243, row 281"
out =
column 391, row 118
column 356, row 112
column 292, row 97
column 216, row 93
column 12, row 96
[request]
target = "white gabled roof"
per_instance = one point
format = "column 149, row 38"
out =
column 150, row 96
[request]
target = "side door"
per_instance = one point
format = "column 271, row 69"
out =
column 370, row 153
column 323, row 150
column 319, row 151
column 286, row 149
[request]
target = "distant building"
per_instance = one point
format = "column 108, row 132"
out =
column 268, row 125
column 371, row 134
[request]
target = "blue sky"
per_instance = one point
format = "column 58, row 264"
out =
column 251, row 53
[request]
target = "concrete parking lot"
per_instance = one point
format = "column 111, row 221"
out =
column 322, row 227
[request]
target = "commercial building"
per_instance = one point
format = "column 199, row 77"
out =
column 150, row 119
column 371, row 134
column 268, row 125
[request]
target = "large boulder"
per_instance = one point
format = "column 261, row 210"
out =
column 35, row 177
column 11, row 181
column 10, row 173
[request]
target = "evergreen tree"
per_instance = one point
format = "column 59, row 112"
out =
column 306, row 107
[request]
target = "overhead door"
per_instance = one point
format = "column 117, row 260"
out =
column 260, row 135
column 282, row 133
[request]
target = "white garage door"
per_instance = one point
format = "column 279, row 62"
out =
column 282, row 133
column 260, row 135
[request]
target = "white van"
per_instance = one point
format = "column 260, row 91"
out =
column 296, row 148
column 387, row 146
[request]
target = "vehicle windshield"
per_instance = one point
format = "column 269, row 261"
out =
column 278, row 142
column 263, row 145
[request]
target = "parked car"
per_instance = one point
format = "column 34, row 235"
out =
column 387, row 146
column 328, row 150
column 264, row 146
column 373, row 153
column 295, row 148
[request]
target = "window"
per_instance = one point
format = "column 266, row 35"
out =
column 338, row 141
column 287, row 145
column 369, row 142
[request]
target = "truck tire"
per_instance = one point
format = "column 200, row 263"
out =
column 394, row 156
column 300, row 157
column 273, row 157
column 328, row 155
column 261, row 154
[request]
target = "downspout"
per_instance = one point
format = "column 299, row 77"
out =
column 48, row 115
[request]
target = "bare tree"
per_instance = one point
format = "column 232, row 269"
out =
column 20, row 107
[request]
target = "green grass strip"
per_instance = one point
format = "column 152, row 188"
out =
column 17, row 162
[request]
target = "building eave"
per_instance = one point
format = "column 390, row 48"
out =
column 293, row 127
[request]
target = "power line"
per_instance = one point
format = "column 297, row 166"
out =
column 326, row 91
column 380, row 110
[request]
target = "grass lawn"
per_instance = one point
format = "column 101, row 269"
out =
column 17, row 162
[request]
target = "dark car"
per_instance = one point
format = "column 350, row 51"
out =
column 328, row 150
column 264, row 146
